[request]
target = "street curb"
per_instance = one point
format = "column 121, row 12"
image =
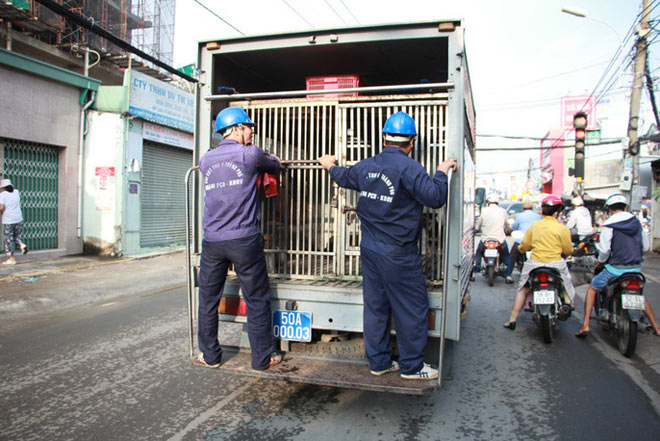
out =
column 89, row 265
column 63, row 269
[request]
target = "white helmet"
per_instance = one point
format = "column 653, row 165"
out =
column 493, row 199
column 577, row 201
column 616, row 198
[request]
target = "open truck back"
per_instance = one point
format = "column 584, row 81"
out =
column 311, row 230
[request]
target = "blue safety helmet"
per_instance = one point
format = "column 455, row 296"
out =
column 400, row 124
column 231, row 116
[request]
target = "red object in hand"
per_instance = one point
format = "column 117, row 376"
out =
column 269, row 183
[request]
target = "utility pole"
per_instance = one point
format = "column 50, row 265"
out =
column 630, row 176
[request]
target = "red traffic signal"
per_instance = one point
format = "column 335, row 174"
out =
column 580, row 125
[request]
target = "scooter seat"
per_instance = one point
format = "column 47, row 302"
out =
column 625, row 276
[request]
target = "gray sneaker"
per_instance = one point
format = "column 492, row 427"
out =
column 393, row 368
column 425, row 373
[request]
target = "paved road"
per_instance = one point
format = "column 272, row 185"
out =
column 119, row 370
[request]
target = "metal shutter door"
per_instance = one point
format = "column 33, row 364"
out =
column 163, row 195
column 32, row 168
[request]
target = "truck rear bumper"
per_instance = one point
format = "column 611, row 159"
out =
column 302, row 368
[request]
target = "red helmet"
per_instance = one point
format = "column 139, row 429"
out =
column 551, row 201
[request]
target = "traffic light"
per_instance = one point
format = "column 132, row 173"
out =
column 580, row 126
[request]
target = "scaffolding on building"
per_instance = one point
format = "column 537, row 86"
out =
column 145, row 24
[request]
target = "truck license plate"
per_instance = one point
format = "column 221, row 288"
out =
column 544, row 297
column 292, row 325
column 630, row 301
column 490, row 253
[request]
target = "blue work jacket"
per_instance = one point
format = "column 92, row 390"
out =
column 393, row 188
column 231, row 199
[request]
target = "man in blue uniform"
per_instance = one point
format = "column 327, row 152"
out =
column 232, row 236
column 394, row 188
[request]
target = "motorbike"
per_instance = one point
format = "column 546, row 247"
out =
column 493, row 265
column 620, row 306
column 546, row 298
column 584, row 258
column 521, row 258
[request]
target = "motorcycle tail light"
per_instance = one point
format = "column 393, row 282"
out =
column 632, row 284
column 544, row 277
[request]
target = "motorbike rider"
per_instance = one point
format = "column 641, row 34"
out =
column 622, row 244
column 548, row 240
column 491, row 223
column 579, row 220
column 522, row 223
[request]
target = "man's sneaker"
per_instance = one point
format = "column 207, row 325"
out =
column 199, row 361
column 509, row 280
column 425, row 373
column 393, row 368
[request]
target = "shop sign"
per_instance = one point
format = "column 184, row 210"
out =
column 159, row 102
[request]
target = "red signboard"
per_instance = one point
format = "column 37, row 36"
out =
column 105, row 171
column 570, row 105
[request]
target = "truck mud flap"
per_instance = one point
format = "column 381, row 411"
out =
column 300, row 368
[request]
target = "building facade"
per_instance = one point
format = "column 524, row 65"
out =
column 40, row 131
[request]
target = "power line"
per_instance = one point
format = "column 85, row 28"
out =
column 298, row 13
column 222, row 19
column 540, row 102
column 552, row 76
column 350, row 12
column 336, row 13
column 533, row 138
column 515, row 149
column 96, row 29
column 612, row 62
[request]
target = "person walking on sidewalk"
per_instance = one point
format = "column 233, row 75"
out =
column 232, row 236
column 12, row 220
column 393, row 190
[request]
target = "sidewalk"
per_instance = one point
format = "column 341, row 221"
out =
column 34, row 268
column 34, row 288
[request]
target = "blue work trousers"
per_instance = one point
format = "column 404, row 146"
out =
column 247, row 255
column 394, row 285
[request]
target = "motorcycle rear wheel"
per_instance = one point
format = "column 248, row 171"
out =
column 491, row 275
column 546, row 328
column 626, row 334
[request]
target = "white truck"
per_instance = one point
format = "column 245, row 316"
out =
column 329, row 92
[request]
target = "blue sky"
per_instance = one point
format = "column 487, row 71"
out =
column 523, row 55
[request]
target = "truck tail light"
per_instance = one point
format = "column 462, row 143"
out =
column 232, row 306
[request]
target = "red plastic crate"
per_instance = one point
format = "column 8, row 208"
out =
column 333, row 82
